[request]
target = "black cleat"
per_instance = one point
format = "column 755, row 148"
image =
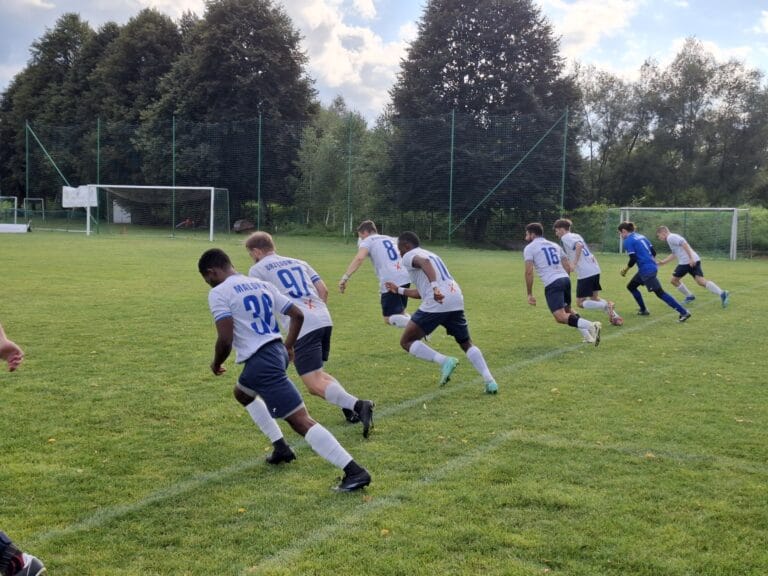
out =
column 684, row 317
column 643, row 312
column 364, row 409
column 355, row 481
column 350, row 415
column 281, row 454
column 32, row 567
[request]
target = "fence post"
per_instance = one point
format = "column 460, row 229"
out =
column 349, row 178
column 173, row 176
column 258, row 179
column 565, row 155
column 450, row 177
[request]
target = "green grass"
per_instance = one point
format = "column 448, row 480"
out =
column 123, row 455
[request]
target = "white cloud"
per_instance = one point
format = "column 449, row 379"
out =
column 365, row 8
column 351, row 60
column 762, row 23
column 24, row 5
column 174, row 8
column 583, row 24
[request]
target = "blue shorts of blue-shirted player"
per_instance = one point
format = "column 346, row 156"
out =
column 392, row 303
column 264, row 375
column 585, row 287
column 683, row 269
column 558, row 294
column 312, row 350
column 455, row 323
column 651, row 281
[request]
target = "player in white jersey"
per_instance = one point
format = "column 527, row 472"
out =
column 298, row 281
column 688, row 262
column 442, row 304
column 579, row 258
column 245, row 311
column 545, row 258
column 388, row 265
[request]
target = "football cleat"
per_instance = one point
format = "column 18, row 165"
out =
column 365, row 414
column 32, row 567
column 491, row 387
column 447, row 369
column 643, row 312
column 690, row 298
column 725, row 298
column 281, row 454
column 352, row 482
column 684, row 317
column 617, row 320
column 350, row 415
column 594, row 332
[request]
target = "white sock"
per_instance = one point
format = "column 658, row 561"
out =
column 335, row 394
column 684, row 289
column 583, row 324
column 326, row 446
column 399, row 320
column 263, row 419
column 424, row 352
column 712, row 287
column 595, row 304
column 584, row 333
column 478, row 361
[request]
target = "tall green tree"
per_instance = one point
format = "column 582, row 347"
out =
column 479, row 60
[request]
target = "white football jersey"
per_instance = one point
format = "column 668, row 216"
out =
column 295, row 279
column 546, row 257
column 587, row 265
column 253, row 307
column 676, row 242
column 382, row 250
column 454, row 299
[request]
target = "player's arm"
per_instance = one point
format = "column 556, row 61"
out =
column 357, row 261
column 10, row 351
column 665, row 260
column 566, row 264
column 225, row 333
column 395, row 289
column 689, row 251
column 577, row 255
column 529, row 282
column 297, row 321
column 632, row 261
column 322, row 289
column 429, row 271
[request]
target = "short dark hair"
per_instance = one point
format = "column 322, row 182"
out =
column 535, row 228
column 367, row 226
column 628, row 226
column 409, row 238
column 213, row 258
column 563, row 223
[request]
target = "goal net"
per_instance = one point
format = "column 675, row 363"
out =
column 8, row 209
column 716, row 232
column 165, row 210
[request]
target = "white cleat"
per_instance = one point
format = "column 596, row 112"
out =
column 594, row 332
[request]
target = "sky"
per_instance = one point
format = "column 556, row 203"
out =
column 355, row 46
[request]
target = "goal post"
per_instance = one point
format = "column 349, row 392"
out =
column 9, row 208
column 176, row 210
column 719, row 232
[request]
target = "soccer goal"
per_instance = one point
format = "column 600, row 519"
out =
column 8, row 209
column 171, row 210
column 719, row 232
column 34, row 207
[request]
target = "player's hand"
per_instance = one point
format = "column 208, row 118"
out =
column 11, row 353
column 342, row 285
column 391, row 287
column 438, row 295
column 624, row 271
column 532, row 300
column 217, row 369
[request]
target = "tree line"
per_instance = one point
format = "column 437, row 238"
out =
column 486, row 75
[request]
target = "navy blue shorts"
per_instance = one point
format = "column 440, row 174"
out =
column 558, row 294
column 455, row 323
column 683, row 269
column 392, row 303
column 312, row 350
column 651, row 282
column 585, row 287
column 264, row 375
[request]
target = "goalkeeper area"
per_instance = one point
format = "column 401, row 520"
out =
column 714, row 232
column 168, row 211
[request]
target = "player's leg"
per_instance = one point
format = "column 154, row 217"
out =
column 653, row 285
column 393, row 309
column 422, row 324
column 260, row 415
column 325, row 445
column 459, row 329
column 698, row 275
column 677, row 281
column 633, row 287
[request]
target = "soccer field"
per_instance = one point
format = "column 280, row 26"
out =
column 123, row 455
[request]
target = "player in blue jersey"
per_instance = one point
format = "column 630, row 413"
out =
column 299, row 282
column 388, row 265
column 642, row 253
column 245, row 311
column 545, row 258
column 442, row 304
